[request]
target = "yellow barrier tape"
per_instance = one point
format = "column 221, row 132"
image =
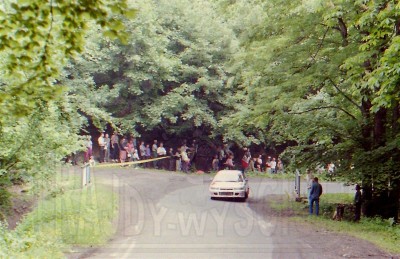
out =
column 129, row 163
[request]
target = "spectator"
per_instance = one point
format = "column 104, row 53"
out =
column 185, row 160
column 315, row 193
column 147, row 155
column 123, row 150
column 280, row 167
column 171, row 159
column 252, row 163
column 135, row 155
column 215, row 163
column 134, row 142
column 101, row 143
column 193, row 151
column 115, row 147
column 129, row 149
column 106, row 148
column 229, row 162
column 268, row 165
column 142, row 150
column 259, row 163
column 178, row 160
column 245, row 160
column 160, row 153
column 357, row 203
column 273, row 165
column 154, row 152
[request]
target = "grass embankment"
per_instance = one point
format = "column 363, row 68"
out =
column 65, row 217
column 382, row 233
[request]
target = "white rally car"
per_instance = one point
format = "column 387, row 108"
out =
column 229, row 184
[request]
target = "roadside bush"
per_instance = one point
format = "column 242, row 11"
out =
column 75, row 217
column 5, row 202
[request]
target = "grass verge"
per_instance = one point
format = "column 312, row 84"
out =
column 66, row 217
column 383, row 233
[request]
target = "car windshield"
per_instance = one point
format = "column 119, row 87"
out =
column 228, row 177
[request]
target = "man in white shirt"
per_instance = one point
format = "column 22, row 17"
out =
column 161, row 151
column 273, row 166
column 102, row 143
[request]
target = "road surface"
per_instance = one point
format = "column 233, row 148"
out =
column 170, row 215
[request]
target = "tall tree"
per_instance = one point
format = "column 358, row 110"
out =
column 320, row 73
column 171, row 76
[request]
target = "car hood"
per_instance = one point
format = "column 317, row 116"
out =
column 226, row 184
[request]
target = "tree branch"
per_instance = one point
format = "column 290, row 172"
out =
column 342, row 93
column 319, row 48
column 325, row 107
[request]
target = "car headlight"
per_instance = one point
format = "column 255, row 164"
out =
column 239, row 188
column 214, row 189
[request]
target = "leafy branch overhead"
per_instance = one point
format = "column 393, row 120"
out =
column 37, row 37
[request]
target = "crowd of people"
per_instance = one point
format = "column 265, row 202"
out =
column 120, row 149
column 224, row 159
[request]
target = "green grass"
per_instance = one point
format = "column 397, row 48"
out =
column 380, row 232
column 67, row 216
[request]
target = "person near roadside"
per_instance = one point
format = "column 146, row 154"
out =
column 147, row 155
column 357, row 203
column 215, row 163
column 252, row 164
column 161, row 151
column 273, row 166
column 229, row 163
column 171, row 159
column 129, row 149
column 245, row 160
column 268, row 164
column 279, row 166
column 154, row 152
column 178, row 161
column 315, row 193
column 123, row 145
column 106, row 148
column 185, row 160
column 101, row 143
column 259, row 163
column 142, row 150
column 115, row 147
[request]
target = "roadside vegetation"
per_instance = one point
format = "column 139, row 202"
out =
column 384, row 233
column 67, row 216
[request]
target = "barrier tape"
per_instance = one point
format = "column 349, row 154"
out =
column 129, row 163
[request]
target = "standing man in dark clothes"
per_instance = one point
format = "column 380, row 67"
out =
column 315, row 193
column 154, row 153
column 357, row 203
column 115, row 147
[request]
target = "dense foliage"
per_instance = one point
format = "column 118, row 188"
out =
column 325, row 78
column 39, row 122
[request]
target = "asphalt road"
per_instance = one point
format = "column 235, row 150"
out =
column 170, row 215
